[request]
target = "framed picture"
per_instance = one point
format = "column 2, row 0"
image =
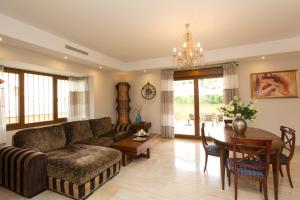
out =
column 276, row 84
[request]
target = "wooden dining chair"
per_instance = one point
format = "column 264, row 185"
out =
column 250, row 166
column 210, row 149
column 288, row 136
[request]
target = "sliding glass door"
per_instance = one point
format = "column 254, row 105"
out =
column 184, row 107
column 210, row 99
column 196, row 101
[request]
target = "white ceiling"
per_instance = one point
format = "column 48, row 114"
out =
column 132, row 30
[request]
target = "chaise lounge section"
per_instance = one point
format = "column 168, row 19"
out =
column 79, row 159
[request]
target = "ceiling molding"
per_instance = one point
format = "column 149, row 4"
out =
column 32, row 35
column 224, row 55
column 41, row 39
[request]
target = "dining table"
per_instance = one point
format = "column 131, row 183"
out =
column 222, row 136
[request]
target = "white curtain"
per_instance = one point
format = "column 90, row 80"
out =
column 79, row 105
column 167, row 104
column 231, row 82
column 2, row 109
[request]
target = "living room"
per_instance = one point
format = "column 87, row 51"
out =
column 114, row 42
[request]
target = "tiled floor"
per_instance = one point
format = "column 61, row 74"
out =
column 175, row 172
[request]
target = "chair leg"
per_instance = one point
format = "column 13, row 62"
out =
column 289, row 175
column 235, row 186
column 228, row 175
column 260, row 186
column 205, row 162
column 265, row 185
column 280, row 169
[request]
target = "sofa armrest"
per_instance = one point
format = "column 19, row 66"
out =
column 125, row 127
column 23, row 171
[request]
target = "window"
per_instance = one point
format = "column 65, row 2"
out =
column 34, row 99
column 12, row 99
column 38, row 93
column 63, row 98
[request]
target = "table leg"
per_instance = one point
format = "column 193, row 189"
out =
column 223, row 158
column 124, row 159
column 275, row 169
column 146, row 154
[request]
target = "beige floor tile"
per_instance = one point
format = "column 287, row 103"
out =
column 175, row 172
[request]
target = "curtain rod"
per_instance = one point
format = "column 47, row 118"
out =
column 201, row 66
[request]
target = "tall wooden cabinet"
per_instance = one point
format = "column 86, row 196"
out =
column 123, row 101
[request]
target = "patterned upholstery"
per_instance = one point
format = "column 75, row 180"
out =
column 82, row 191
column 122, row 127
column 77, row 130
column 283, row 159
column 23, row 171
column 245, row 171
column 213, row 150
column 101, row 126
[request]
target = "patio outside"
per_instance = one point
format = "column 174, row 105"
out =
column 210, row 98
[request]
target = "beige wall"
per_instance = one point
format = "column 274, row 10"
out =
column 151, row 108
column 273, row 112
column 102, row 89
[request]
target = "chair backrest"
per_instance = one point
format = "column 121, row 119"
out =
column 203, row 138
column 252, row 149
column 228, row 122
column 208, row 117
column 288, row 136
column 220, row 118
column 191, row 116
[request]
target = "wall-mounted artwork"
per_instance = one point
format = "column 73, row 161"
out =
column 276, row 84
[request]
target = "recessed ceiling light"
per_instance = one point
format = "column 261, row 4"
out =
column 66, row 57
column 263, row 57
column 0, row 39
column 100, row 67
column 145, row 71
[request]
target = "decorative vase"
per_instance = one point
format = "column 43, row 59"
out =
column 239, row 126
column 138, row 118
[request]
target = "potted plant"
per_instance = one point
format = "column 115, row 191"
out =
column 240, row 113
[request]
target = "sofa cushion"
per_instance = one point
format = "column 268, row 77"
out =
column 97, row 141
column 41, row 139
column 101, row 126
column 117, row 135
column 79, row 163
column 78, row 130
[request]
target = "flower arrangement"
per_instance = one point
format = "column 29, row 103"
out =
column 237, row 109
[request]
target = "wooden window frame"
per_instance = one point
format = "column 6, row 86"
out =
column 21, row 123
column 195, row 75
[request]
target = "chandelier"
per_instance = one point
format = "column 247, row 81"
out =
column 190, row 54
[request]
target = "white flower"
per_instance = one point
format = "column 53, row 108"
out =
column 230, row 108
column 235, row 98
column 239, row 115
column 252, row 107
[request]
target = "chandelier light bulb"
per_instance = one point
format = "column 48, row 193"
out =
column 190, row 54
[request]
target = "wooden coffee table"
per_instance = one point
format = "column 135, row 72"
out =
column 131, row 149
